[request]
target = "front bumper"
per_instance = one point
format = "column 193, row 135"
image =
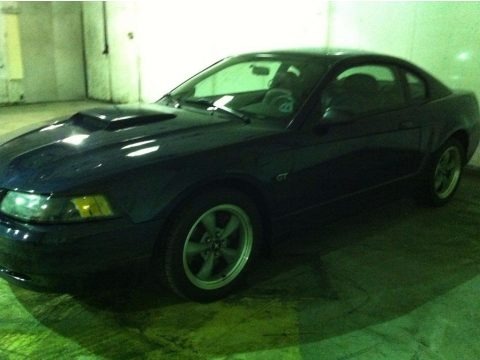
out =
column 58, row 257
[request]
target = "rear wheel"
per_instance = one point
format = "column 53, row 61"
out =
column 444, row 173
column 210, row 246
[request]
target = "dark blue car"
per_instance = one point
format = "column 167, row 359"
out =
column 195, row 184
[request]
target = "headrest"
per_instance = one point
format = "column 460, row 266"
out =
column 361, row 83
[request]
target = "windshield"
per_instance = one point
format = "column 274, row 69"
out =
column 262, row 86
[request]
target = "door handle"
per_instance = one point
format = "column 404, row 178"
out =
column 408, row 124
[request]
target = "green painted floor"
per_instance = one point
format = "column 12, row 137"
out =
column 394, row 282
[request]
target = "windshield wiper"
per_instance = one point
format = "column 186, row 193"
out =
column 215, row 106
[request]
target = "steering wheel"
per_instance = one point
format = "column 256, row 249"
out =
column 281, row 99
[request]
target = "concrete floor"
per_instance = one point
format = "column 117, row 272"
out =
column 397, row 281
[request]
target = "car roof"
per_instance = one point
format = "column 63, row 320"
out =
column 320, row 52
column 333, row 55
column 328, row 51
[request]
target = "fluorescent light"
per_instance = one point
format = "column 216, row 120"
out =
column 464, row 56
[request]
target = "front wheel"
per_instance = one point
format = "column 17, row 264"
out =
column 444, row 173
column 210, row 246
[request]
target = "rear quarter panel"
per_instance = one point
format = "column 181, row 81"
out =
column 448, row 115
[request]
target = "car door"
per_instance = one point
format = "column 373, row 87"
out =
column 374, row 140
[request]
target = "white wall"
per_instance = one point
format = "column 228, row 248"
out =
column 3, row 65
column 189, row 36
column 174, row 40
column 11, row 68
column 124, row 55
column 68, row 50
column 37, row 45
column 52, row 51
column 155, row 45
column 112, row 58
column 442, row 37
column 96, row 57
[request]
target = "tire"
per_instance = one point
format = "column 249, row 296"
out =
column 211, row 243
column 443, row 174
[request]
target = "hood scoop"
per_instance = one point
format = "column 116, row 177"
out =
column 116, row 118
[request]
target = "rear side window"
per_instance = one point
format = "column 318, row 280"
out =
column 417, row 88
column 380, row 73
column 364, row 89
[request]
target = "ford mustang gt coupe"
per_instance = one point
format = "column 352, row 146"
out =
column 195, row 184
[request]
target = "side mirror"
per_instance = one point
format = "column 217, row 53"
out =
column 331, row 117
column 336, row 116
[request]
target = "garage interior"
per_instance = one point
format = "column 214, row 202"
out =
column 393, row 281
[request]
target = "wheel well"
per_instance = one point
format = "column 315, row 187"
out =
column 242, row 186
column 462, row 136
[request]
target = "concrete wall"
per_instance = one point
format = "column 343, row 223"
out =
column 112, row 57
column 52, row 47
column 124, row 54
column 68, row 50
column 97, row 59
column 11, row 66
column 155, row 45
column 37, row 44
column 3, row 70
column 442, row 37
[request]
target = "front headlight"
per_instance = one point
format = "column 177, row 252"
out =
column 41, row 208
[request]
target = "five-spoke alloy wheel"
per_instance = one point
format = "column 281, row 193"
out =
column 447, row 172
column 218, row 246
column 210, row 245
column 444, row 173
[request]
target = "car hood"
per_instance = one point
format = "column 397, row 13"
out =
column 98, row 142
